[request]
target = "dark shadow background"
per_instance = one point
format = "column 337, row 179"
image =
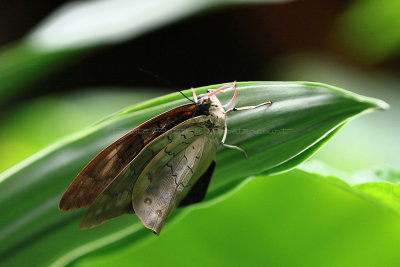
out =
column 219, row 46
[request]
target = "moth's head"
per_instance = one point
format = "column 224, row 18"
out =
column 205, row 103
column 221, row 89
column 206, row 100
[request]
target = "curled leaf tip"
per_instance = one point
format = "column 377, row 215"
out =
column 381, row 105
column 376, row 104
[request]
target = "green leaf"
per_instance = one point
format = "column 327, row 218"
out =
column 277, row 137
column 48, row 118
column 291, row 219
column 372, row 138
column 379, row 185
column 79, row 27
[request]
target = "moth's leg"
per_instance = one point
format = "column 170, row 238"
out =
column 248, row 107
column 225, row 133
column 226, row 128
column 237, row 148
column 194, row 94
column 230, row 146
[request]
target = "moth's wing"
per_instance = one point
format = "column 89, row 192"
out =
column 116, row 200
column 162, row 186
column 106, row 166
column 199, row 190
column 113, row 202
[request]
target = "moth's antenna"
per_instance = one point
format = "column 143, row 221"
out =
column 223, row 87
column 186, row 96
column 165, row 82
column 149, row 73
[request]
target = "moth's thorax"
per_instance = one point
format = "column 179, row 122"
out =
column 211, row 106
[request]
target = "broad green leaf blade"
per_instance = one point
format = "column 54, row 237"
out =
column 281, row 216
column 46, row 119
column 276, row 137
column 82, row 26
column 379, row 185
column 295, row 125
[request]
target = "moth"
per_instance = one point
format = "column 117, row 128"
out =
column 165, row 163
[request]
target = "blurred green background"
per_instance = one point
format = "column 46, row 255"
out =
column 50, row 89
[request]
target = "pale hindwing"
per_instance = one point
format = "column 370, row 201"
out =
column 168, row 178
column 116, row 200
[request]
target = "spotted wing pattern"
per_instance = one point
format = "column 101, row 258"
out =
column 168, row 178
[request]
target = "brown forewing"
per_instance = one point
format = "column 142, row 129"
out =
column 103, row 169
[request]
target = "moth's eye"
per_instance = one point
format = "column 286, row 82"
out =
column 209, row 91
